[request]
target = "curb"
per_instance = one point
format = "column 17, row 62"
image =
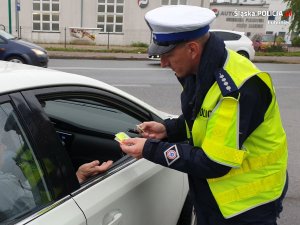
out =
column 136, row 56
column 277, row 59
column 95, row 55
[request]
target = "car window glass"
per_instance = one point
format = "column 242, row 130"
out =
column 90, row 114
column 268, row 38
column 226, row 36
column 6, row 35
column 87, row 127
column 22, row 182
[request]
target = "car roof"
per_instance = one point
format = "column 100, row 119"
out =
column 230, row 31
column 17, row 77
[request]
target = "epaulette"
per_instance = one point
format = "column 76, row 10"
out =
column 225, row 82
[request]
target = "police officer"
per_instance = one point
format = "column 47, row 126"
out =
column 229, row 138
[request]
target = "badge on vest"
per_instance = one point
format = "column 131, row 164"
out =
column 225, row 82
column 171, row 154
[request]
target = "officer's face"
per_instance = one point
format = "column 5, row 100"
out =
column 183, row 59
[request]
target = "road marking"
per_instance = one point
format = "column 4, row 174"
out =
column 131, row 85
column 286, row 87
column 284, row 72
column 102, row 68
column 151, row 69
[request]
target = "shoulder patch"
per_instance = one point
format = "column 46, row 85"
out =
column 171, row 154
column 225, row 82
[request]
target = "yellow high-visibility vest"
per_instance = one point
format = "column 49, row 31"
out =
column 258, row 173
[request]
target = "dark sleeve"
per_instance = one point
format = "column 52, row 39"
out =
column 176, row 130
column 254, row 100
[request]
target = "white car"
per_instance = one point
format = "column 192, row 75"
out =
column 50, row 123
column 237, row 41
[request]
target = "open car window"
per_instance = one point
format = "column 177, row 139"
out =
column 89, row 115
column 87, row 126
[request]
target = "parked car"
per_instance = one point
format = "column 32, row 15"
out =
column 237, row 41
column 19, row 51
column 262, row 42
column 63, row 120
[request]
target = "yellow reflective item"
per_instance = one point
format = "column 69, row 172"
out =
column 221, row 140
column 121, row 136
column 258, row 173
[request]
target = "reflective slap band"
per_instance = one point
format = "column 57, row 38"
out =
column 173, row 38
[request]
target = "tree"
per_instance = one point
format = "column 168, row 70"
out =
column 294, row 6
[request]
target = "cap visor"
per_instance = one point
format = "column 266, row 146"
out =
column 155, row 49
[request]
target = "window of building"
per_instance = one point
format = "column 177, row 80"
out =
column 173, row 2
column 255, row 26
column 110, row 15
column 281, row 34
column 45, row 16
column 234, row 19
column 241, row 25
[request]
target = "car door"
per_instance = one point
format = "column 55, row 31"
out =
column 29, row 191
column 132, row 192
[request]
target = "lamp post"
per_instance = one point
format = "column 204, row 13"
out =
column 9, row 16
column 18, row 7
column 81, row 14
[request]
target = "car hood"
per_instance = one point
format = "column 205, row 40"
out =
column 30, row 45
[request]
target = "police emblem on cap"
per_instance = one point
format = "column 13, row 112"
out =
column 171, row 154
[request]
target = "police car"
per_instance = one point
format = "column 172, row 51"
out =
column 63, row 120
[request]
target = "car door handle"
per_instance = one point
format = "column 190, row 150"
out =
column 112, row 218
column 2, row 49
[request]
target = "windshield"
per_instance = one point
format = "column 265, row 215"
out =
column 6, row 35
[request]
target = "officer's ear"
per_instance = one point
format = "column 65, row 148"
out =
column 194, row 49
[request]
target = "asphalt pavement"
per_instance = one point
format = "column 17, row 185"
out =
column 137, row 56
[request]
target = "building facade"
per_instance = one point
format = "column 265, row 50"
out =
column 279, row 23
column 236, row 17
column 93, row 21
column 252, row 16
column 121, row 22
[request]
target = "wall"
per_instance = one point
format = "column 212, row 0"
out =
column 134, row 26
column 250, row 19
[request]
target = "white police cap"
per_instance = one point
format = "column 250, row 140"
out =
column 173, row 24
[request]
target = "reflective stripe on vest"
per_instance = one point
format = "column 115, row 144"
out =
column 258, row 169
column 221, row 141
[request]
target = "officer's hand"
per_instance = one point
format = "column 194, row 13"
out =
column 153, row 130
column 133, row 147
column 90, row 169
